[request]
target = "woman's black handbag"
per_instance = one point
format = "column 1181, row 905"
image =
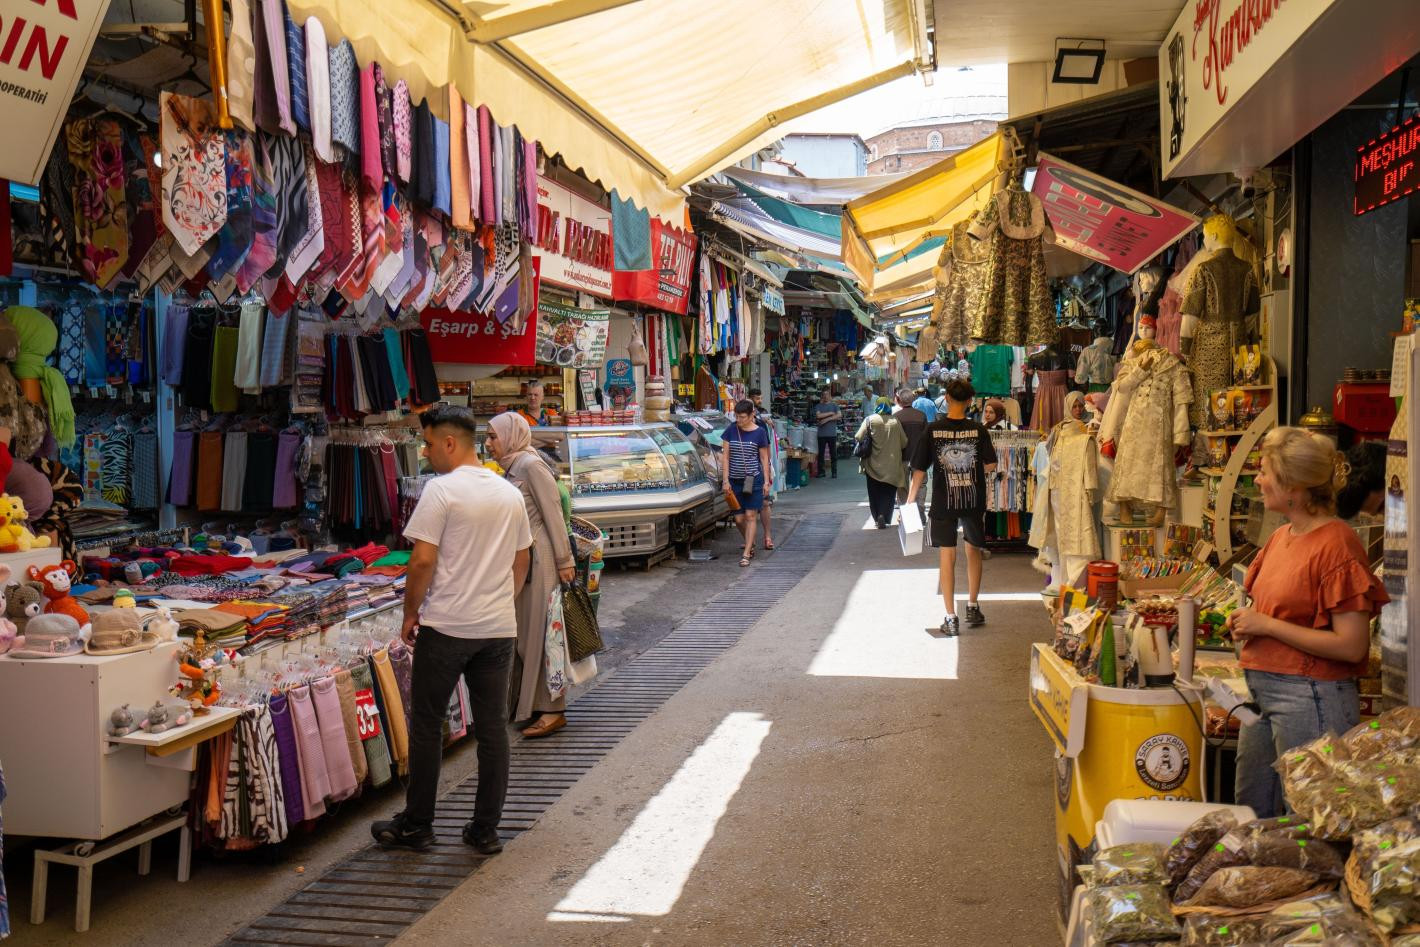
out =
column 579, row 617
column 863, row 447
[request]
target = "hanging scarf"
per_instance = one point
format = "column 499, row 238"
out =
column 100, row 201
column 38, row 338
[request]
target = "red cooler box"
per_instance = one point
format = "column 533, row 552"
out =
column 1366, row 407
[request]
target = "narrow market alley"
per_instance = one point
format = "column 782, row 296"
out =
column 837, row 775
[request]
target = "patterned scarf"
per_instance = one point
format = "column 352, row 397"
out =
column 100, row 200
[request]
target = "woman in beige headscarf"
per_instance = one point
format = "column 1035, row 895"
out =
column 510, row 442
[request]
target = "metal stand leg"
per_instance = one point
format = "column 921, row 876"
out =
column 145, row 858
column 41, row 888
column 85, row 898
column 184, row 854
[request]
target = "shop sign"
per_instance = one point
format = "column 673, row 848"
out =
column 1104, row 221
column 1388, row 166
column 667, row 285
column 43, row 47
column 1058, row 696
column 773, row 300
column 620, row 373
column 573, row 239
column 1219, row 69
column 478, row 338
column 571, row 338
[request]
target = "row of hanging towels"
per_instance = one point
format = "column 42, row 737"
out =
column 236, row 466
column 300, row 749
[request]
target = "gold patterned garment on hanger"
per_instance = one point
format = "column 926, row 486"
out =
column 1014, row 307
column 964, row 262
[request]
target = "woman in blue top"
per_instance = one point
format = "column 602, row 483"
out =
column 745, row 449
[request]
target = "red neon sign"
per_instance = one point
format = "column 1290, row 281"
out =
column 1388, row 166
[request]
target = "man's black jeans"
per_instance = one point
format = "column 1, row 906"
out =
column 485, row 663
column 829, row 444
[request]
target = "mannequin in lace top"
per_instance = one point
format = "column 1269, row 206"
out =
column 1144, row 424
column 1220, row 313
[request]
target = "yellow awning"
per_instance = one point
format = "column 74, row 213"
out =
column 644, row 97
column 881, row 229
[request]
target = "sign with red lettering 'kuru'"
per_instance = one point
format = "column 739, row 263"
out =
column 1105, row 221
column 1388, row 166
column 43, row 47
column 667, row 285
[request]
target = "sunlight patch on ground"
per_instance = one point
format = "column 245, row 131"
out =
column 644, row 873
column 882, row 631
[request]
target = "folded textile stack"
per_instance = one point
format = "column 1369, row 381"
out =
column 264, row 619
column 219, row 627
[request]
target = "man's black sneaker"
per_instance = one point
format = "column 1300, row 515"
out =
column 484, row 841
column 396, row 833
column 951, row 627
column 974, row 616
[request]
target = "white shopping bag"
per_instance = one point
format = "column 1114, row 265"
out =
column 909, row 529
column 583, row 670
column 554, row 647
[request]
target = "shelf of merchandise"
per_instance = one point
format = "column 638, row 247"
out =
column 1237, row 467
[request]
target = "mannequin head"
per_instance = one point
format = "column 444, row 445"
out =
column 1219, row 232
column 1148, row 325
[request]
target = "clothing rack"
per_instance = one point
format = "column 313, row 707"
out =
column 1010, row 491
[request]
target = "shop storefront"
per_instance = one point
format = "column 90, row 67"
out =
column 1156, row 570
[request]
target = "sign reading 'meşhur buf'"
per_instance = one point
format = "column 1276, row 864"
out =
column 43, row 47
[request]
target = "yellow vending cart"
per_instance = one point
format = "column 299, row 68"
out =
column 1110, row 743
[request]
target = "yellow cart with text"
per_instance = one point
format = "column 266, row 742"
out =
column 1110, row 743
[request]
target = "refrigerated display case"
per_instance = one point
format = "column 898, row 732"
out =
column 645, row 485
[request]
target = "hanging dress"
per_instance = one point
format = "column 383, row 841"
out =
column 963, row 285
column 1015, row 307
column 1149, row 421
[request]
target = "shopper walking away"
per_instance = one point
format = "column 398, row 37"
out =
column 745, row 449
column 826, row 416
column 509, row 440
column 914, row 423
column 959, row 453
column 766, row 510
column 471, row 550
column 1307, row 636
column 883, row 466
column 926, row 405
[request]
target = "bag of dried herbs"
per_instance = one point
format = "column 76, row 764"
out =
column 1370, row 843
column 1225, row 853
column 1141, row 864
column 1195, row 841
column 1380, row 737
column 1202, row 931
column 1247, row 886
column 1131, row 913
column 1339, row 807
column 1395, row 886
column 1279, row 850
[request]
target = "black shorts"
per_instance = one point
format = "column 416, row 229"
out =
column 944, row 529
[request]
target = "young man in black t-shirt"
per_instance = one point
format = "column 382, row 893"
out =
column 959, row 454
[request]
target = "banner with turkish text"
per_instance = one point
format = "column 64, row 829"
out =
column 666, row 286
column 1104, row 221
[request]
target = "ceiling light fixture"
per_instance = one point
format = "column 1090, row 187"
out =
column 1078, row 61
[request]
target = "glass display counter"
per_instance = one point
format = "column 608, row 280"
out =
column 645, row 485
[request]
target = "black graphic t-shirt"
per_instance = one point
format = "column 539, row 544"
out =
column 957, row 452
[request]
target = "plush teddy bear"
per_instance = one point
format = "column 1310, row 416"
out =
column 8, row 631
column 56, row 582
column 15, row 535
column 23, row 602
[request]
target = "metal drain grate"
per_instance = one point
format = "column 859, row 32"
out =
column 376, row 895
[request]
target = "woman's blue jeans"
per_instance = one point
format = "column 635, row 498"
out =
column 1295, row 710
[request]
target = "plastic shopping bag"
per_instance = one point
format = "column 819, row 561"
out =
column 583, row 670
column 554, row 647
column 909, row 529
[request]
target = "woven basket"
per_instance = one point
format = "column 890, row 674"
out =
column 1257, row 910
column 1361, row 897
column 587, row 538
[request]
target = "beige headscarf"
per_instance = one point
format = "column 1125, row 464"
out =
column 516, row 437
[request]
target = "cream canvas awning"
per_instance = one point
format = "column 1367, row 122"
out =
column 645, row 96
column 881, row 230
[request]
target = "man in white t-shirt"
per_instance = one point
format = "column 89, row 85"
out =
column 471, row 551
